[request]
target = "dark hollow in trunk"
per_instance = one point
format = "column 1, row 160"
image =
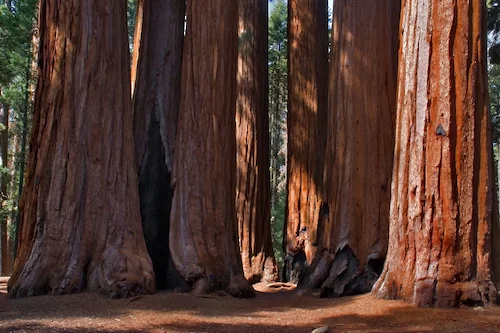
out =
column 156, row 69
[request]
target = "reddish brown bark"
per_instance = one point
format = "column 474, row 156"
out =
column 203, row 234
column 353, row 225
column 253, row 209
column 158, row 61
column 307, row 106
column 80, row 220
column 442, row 189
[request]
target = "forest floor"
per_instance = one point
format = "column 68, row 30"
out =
column 269, row 312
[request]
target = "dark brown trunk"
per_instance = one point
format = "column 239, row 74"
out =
column 158, row 61
column 252, row 145
column 307, row 106
column 441, row 221
column 80, row 220
column 203, row 226
column 353, row 225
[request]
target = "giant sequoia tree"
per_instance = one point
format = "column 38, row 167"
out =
column 80, row 220
column 252, row 145
column 353, row 226
column 157, row 66
column 307, row 105
column 442, row 227
column 203, row 227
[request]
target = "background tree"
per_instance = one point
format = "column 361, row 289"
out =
column 80, row 219
column 203, row 226
column 307, row 106
column 353, row 226
column 157, row 62
column 17, row 19
column 278, row 95
column 442, row 226
column 252, row 145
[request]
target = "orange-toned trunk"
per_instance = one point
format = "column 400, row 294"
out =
column 441, row 224
column 353, row 222
column 252, row 145
column 307, row 106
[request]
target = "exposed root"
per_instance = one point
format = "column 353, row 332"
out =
column 281, row 286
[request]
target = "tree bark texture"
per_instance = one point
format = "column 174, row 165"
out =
column 156, row 102
column 80, row 219
column 203, row 226
column 441, row 221
column 253, row 208
column 353, row 225
column 307, row 106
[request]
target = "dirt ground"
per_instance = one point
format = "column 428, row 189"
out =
column 268, row 312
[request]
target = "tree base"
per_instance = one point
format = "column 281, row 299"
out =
column 340, row 275
column 115, row 274
column 431, row 293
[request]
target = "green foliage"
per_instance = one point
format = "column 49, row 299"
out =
column 17, row 25
column 278, row 92
column 131, row 12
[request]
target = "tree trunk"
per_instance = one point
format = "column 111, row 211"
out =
column 203, row 226
column 353, row 225
column 158, row 61
column 307, row 106
column 443, row 185
column 80, row 220
column 252, row 145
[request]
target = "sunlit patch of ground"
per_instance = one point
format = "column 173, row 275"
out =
column 285, row 311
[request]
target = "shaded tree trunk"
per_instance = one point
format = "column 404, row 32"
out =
column 252, row 145
column 203, row 226
column 80, row 220
column 158, row 63
column 353, row 225
column 441, row 221
column 307, row 106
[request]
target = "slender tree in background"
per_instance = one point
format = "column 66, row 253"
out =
column 253, row 208
column 80, row 218
column 353, row 226
column 278, row 64
column 203, row 226
column 307, row 106
column 16, row 77
column 157, row 62
column 443, row 244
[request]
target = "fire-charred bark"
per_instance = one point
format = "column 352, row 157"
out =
column 441, row 221
column 253, row 208
column 353, row 225
column 307, row 106
column 203, row 226
column 80, row 220
column 156, row 101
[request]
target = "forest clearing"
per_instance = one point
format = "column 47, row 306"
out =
column 282, row 312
